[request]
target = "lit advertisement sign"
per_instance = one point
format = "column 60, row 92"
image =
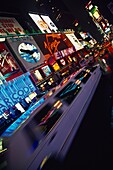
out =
column 46, row 70
column 64, row 53
column 36, row 75
column 10, row 26
column 63, row 62
column 42, row 25
column 74, row 41
column 56, row 67
column 50, row 43
column 51, row 25
column 96, row 15
column 15, row 90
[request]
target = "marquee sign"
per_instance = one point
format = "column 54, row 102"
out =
column 64, row 53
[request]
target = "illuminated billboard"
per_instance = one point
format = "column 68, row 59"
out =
column 42, row 25
column 51, row 25
column 74, row 41
column 9, row 25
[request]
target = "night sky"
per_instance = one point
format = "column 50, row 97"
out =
column 76, row 8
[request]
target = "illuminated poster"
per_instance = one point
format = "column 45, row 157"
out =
column 74, row 41
column 51, row 25
column 37, row 76
column 42, row 25
column 8, row 67
column 46, row 70
column 10, row 25
column 27, row 52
